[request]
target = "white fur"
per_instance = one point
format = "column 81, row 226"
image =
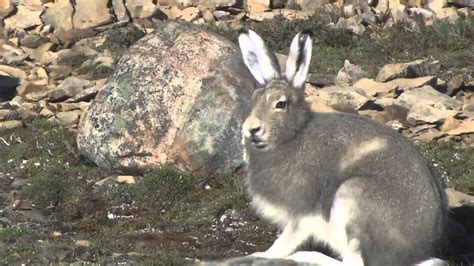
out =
column 361, row 150
column 256, row 57
column 297, row 73
column 298, row 229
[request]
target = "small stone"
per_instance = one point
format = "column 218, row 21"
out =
column 449, row 123
column 463, row 128
column 428, row 96
column 13, row 72
column 128, row 179
column 457, row 199
column 68, row 88
column 374, row 88
column 342, row 98
column 120, row 10
column 59, row 15
column 257, row 6
column 33, row 40
column 350, row 24
column 413, row 69
column 207, row 15
column 66, row 119
column 105, row 181
column 189, row 14
column 91, row 13
column 449, row 14
column 45, row 112
column 221, row 14
column 261, row 16
column 141, row 8
column 23, row 19
column 321, row 80
column 83, row 243
column 455, row 85
column 462, row 3
column 6, row 125
column 86, row 94
column 349, row 74
column 6, row 8
column 404, row 84
column 40, row 52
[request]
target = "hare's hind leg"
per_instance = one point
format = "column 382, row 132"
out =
column 291, row 237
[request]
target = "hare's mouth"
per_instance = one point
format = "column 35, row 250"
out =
column 258, row 143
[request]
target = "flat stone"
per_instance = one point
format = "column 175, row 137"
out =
column 5, row 125
column 120, row 10
column 342, row 98
column 66, row 119
column 374, row 88
column 140, row 8
column 59, row 15
column 413, row 69
column 6, row 8
column 428, row 96
column 462, row 3
column 321, row 80
column 421, row 113
column 189, row 14
column 449, row 123
column 23, row 19
column 261, row 16
column 463, row 128
column 68, row 88
column 351, row 24
column 405, row 84
column 349, row 74
column 127, row 179
column 91, row 13
column 13, row 71
column 40, row 53
column 257, row 6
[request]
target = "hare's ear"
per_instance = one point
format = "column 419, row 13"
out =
column 297, row 65
column 257, row 57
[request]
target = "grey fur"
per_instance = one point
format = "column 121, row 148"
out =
column 401, row 210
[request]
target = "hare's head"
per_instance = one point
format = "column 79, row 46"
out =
column 279, row 110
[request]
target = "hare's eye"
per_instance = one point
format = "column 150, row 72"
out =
column 281, row 105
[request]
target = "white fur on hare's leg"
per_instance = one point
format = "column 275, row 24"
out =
column 286, row 243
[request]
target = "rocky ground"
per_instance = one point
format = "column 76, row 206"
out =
column 407, row 64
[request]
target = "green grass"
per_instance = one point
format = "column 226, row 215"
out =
column 453, row 160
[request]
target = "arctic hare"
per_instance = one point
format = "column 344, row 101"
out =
column 341, row 179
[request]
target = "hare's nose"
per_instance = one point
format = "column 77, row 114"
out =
column 255, row 130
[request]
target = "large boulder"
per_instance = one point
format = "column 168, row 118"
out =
column 177, row 97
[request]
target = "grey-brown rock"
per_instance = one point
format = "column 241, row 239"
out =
column 24, row 18
column 343, row 98
column 351, row 24
column 33, row 40
column 374, row 88
column 6, row 125
column 421, row 113
column 66, row 119
column 349, row 74
column 404, row 84
column 462, row 3
column 120, row 10
column 140, row 8
column 6, row 7
column 189, row 14
column 59, row 15
column 413, row 69
column 257, row 6
column 68, row 88
column 176, row 97
column 91, row 13
column 428, row 96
